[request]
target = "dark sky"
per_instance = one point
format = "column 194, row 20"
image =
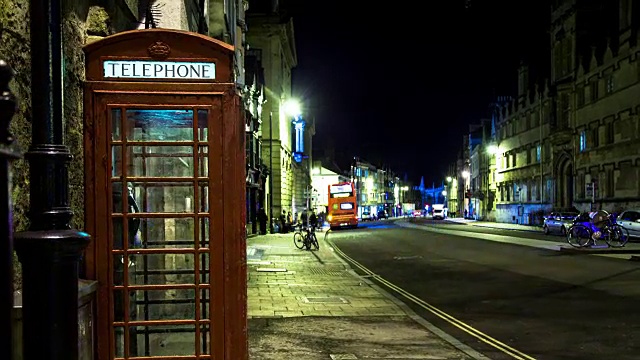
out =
column 399, row 86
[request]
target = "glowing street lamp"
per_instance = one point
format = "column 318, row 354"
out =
column 493, row 149
column 292, row 108
column 465, row 174
column 444, row 192
column 449, row 179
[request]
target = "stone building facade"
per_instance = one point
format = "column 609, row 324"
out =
column 573, row 142
column 605, row 99
column 523, row 177
column 271, row 36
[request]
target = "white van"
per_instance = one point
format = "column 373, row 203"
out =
column 439, row 211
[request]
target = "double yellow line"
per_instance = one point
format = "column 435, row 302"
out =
column 439, row 313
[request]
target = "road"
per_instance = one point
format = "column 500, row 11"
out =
column 506, row 301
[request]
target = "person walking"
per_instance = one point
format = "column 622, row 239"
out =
column 262, row 221
column 313, row 220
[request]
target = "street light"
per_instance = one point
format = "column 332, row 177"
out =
column 444, row 192
column 492, row 149
column 449, row 179
column 292, row 108
column 465, row 174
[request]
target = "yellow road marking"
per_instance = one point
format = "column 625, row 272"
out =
column 516, row 354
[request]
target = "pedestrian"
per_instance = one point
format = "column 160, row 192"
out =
column 313, row 220
column 283, row 222
column 465, row 213
column 262, row 220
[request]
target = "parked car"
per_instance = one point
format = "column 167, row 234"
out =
column 559, row 221
column 366, row 216
column 630, row 220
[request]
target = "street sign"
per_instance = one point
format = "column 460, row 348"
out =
column 590, row 191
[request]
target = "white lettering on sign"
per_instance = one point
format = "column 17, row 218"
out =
column 139, row 69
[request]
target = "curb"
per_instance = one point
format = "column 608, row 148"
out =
column 508, row 229
column 405, row 308
column 497, row 227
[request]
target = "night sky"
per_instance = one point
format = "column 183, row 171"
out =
column 400, row 86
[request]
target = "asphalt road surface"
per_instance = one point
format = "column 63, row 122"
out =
column 506, row 301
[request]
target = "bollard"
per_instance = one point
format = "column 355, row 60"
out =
column 8, row 107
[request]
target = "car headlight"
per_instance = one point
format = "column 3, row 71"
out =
column 329, row 217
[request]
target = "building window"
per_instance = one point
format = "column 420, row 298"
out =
column 594, row 90
column 538, row 153
column 534, row 191
column 594, row 139
column 583, row 141
column 609, row 183
column 609, row 133
column 609, row 85
column 567, row 58
column 580, row 96
column 565, row 112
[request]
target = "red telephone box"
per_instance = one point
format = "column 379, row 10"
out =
column 164, row 197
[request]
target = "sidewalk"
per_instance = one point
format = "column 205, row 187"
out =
column 497, row 225
column 310, row 305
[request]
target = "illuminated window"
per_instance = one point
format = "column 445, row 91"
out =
column 609, row 85
column 538, row 153
column 583, row 140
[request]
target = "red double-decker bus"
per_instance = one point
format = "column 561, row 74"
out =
column 342, row 211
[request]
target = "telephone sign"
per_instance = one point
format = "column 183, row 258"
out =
column 138, row 69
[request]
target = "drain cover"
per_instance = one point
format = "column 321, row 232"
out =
column 271, row 270
column 322, row 271
column 324, row 300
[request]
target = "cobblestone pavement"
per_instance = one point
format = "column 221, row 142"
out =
column 284, row 281
column 310, row 305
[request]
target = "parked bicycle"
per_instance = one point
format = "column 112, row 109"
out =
column 590, row 227
column 305, row 238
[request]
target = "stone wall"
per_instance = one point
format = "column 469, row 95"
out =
column 15, row 49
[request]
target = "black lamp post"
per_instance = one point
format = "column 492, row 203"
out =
column 50, row 250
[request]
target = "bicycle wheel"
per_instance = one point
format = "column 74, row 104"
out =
column 314, row 241
column 307, row 241
column 579, row 236
column 618, row 236
column 298, row 240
